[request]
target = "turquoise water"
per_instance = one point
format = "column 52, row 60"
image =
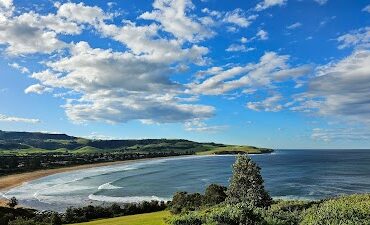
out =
column 290, row 174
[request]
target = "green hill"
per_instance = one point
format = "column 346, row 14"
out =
column 34, row 142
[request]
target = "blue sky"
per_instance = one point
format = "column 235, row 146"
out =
column 273, row 73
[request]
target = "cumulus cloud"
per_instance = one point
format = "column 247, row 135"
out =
column 37, row 88
column 30, row 33
column 6, row 3
column 173, row 16
column 237, row 17
column 262, row 35
column 81, row 13
column 19, row 67
column 359, row 38
column 269, row 3
column 270, row 104
column 5, row 118
column 118, row 87
column 270, row 69
column 341, row 88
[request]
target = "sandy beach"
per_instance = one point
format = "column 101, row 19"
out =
column 14, row 180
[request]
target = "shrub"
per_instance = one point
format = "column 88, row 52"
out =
column 13, row 202
column 246, row 185
column 182, row 201
column 352, row 209
column 214, row 195
column 234, row 215
column 189, row 218
column 286, row 212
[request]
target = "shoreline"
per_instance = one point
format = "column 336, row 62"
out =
column 14, row 180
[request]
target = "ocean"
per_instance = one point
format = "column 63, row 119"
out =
column 288, row 174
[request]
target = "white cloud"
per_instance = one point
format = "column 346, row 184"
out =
column 270, row 104
column 366, row 9
column 269, row 3
column 294, row 26
column 359, row 38
column 238, row 48
column 262, row 35
column 6, row 3
column 243, row 40
column 341, row 89
column 270, row 69
column 118, row 87
column 37, row 88
column 340, row 134
column 81, row 13
column 236, row 17
column 200, row 126
column 21, row 37
column 321, row 2
column 19, row 67
column 5, row 118
column 173, row 16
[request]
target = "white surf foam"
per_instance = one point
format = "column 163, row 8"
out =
column 108, row 186
column 130, row 199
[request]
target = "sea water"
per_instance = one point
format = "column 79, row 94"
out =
column 288, row 174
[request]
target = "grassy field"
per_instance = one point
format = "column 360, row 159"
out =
column 233, row 149
column 156, row 218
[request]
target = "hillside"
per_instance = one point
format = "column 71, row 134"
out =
column 32, row 142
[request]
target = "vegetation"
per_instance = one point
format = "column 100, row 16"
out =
column 353, row 209
column 244, row 202
column 26, row 151
column 246, row 185
column 234, row 149
column 248, row 203
column 10, row 216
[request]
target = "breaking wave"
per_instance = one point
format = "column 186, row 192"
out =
column 108, row 186
column 130, row 199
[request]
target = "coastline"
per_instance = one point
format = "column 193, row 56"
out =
column 14, row 180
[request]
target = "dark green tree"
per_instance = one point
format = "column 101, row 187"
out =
column 55, row 219
column 246, row 184
column 214, row 194
column 13, row 202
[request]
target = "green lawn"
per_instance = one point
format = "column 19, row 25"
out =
column 156, row 218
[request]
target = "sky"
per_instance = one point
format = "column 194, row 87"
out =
column 270, row 73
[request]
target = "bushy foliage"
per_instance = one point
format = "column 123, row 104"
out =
column 238, row 214
column 84, row 214
column 353, row 209
column 214, row 194
column 286, row 212
column 188, row 218
column 13, row 202
column 246, row 185
column 183, row 201
column 75, row 215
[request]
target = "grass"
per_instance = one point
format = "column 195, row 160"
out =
column 233, row 149
column 156, row 218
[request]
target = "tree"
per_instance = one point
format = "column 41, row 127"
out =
column 246, row 184
column 55, row 219
column 12, row 202
column 214, row 194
